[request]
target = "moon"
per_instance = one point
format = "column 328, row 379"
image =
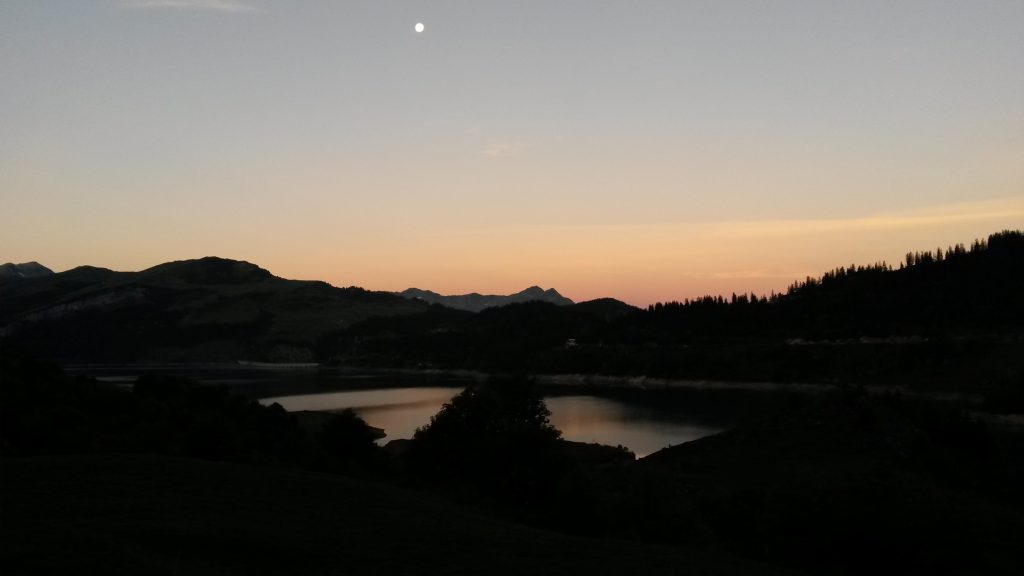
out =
column 419, row 27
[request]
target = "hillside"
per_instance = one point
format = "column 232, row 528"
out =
column 173, row 476
column 11, row 271
column 875, row 484
column 184, row 516
column 958, row 290
column 477, row 302
column 102, row 478
column 192, row 310
column 951, row 319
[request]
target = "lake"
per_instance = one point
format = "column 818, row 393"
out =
column 401, row 402
column 584, row 418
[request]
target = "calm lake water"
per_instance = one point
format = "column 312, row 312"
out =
column 399, row 411
column 401, row 402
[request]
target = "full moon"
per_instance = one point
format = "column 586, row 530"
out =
column 419, row 26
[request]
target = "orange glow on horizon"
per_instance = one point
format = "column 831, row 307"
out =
column 642, row 265
column 639, row 264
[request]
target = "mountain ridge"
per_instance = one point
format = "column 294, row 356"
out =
column 206, row 309
column 476, row 302
column 959, row 308
column 33, row 269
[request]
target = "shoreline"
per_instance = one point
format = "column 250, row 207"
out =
column 559, row 381
column 556, row 384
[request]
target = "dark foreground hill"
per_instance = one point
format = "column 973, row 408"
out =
column 172, row 476
column 136, row 514
column 876, row 485
column 192, row 310
column 476, row 302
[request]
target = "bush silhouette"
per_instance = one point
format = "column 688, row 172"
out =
column 496, row 436
column 348, row 437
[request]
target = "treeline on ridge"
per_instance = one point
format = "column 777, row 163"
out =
column 936, row 319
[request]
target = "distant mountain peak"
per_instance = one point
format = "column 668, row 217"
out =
column 209, row 270
column 11, row 271
column 475, row 302
column 207, row 309
column 417, row 293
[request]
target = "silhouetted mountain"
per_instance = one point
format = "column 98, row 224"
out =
column 954, row 320
column 11, row 271
column 607, row 308
column 208, row 270
column 206, row 309
column 476, row 302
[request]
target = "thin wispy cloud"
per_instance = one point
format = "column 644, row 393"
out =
column 999, row 212
column 207, row 5
column 499, row 149
column 928, row 217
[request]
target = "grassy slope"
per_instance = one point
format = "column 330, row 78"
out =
column 156, row 515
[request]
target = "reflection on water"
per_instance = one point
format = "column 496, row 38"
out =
column 640, row 428
column 399, row 402
column 399, row 411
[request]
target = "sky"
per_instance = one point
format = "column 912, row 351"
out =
column 647, row 150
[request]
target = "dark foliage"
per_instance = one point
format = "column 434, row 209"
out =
column 347, row 436
column 44, row 411
column 844, row 483
column 856, row 484
column 494, row 438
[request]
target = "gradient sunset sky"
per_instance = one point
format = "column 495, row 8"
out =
column 641, row 150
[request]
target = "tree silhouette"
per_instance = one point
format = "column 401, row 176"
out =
column 347, row 436
column 496, row 436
